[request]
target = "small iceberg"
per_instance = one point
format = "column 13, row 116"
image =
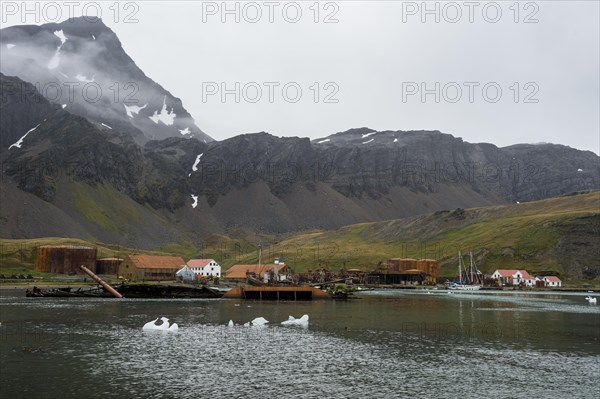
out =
column 591, row 300
column 259, row 321
column 230, row 323
column 164, row 326
column 291, row 321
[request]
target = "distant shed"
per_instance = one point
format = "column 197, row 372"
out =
column 108, row 265
column 64, row 259
column 148, row 267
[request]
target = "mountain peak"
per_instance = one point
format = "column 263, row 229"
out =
column 82, row 52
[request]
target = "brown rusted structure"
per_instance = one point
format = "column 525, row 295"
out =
column 407, row 271
column 64, row 259
column 108, row 265
column 107, row 287
column 289, row 293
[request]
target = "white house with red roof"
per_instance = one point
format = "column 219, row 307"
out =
column 205, row 267
column 514, row 277
column 551, row 281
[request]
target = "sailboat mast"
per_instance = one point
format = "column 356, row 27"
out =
column 459, row 268
column 471, row 266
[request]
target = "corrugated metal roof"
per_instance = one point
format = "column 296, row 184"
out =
column 506, row 272
column 157, row 262
column 552, row 278
column 239, row 271
column 199, row 262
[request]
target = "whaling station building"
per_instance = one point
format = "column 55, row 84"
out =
column 64, row 259
column 407, row 271
column 262, row 271
column 148, row 267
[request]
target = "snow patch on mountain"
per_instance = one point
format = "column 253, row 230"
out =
column 20, row 141
column 61, row 35
column 83, row 78
column 185, row 131
column 195, row 165
column 133, row 109
column 195, row 198
column 56, row 58
column 368, row 141
column 164, row 116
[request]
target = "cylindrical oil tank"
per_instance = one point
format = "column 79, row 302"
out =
column 108, row 265
column 65, row 259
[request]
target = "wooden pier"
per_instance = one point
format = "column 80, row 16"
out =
column 276, row 293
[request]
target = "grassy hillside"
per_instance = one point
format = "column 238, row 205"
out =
column 560, row 234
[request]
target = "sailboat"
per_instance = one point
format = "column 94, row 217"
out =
column 471, row 279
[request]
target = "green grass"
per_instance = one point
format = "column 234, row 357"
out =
column 115, row 211
column 528, row 229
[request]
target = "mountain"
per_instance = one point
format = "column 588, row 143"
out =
column 81, row 65
column 89, row 170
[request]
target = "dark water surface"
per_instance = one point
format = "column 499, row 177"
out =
column 388, row 344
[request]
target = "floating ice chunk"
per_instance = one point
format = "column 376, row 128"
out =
column 164, row 116
column 83, row 78
column 259, row 321
column 395, row 140
column 323, row 141
column 151, row 325
column 133, row 109
column 9, row 45
column 64, row 106
column 195, row 203
column 368, row 141
column 230, row 323
column 247, row 324
column 185, row 131
column 60, row 34
column 367, row 135
column 164, row 326
column 105, row 125
column 195, row 165
column 580, row 170
column 291, row 321
column 20, row 141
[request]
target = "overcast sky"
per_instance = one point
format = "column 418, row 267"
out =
column 370, row 66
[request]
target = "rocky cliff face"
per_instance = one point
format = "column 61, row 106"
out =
column 80, row 64
column 259, row 182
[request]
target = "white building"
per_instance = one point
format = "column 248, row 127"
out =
column 551, row 281
column 186, row 274
column 514, row 277
column 205, row 267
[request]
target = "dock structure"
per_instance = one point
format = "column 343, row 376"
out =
column 277, row 293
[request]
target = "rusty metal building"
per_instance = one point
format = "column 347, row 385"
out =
column 108, row 266
column 407, row 271
column 149, row 267
column 64, row 259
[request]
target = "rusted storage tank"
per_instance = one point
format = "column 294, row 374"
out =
column 108, row 265
column 64, row 259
